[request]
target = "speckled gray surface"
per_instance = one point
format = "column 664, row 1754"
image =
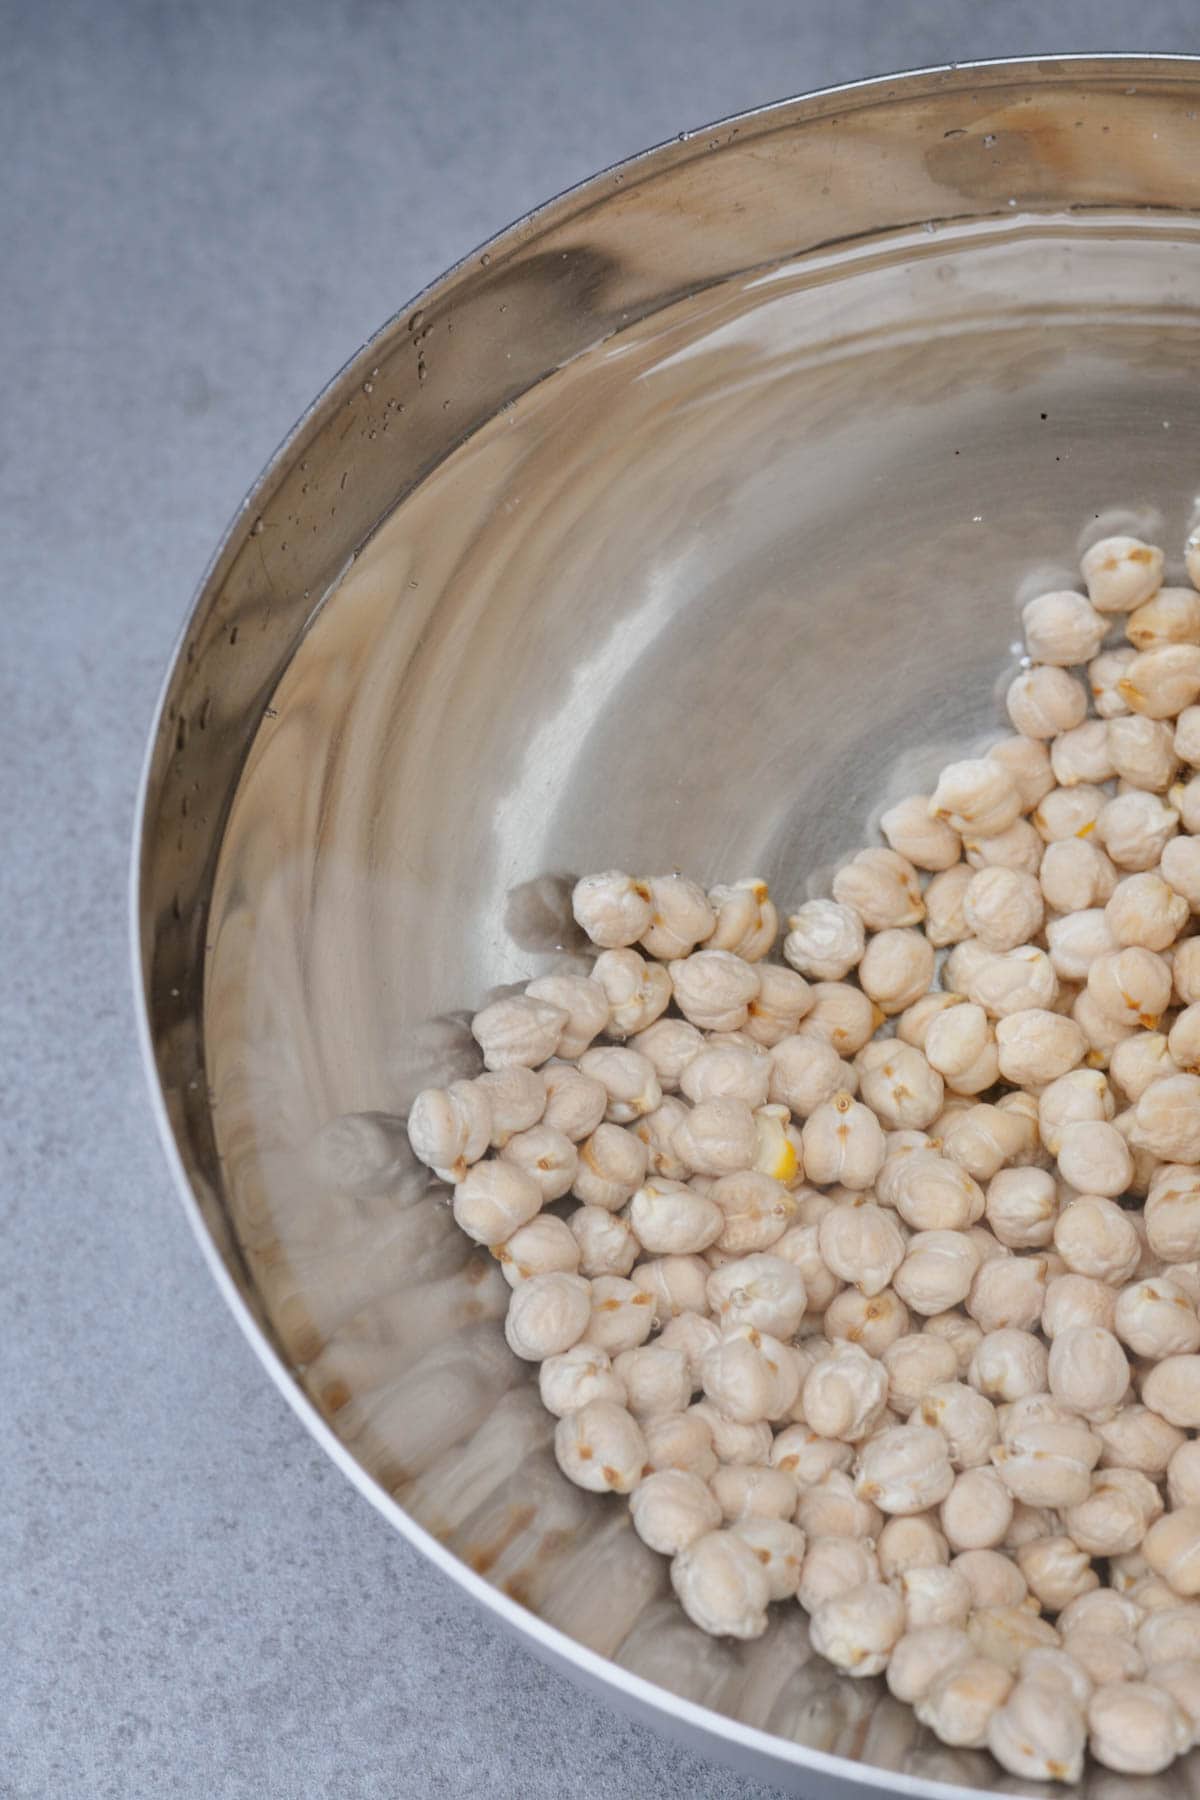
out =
column 203, row 210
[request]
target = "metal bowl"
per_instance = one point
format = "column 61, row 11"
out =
column 679, row 527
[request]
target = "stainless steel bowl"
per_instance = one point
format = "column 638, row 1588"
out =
column 679, row 526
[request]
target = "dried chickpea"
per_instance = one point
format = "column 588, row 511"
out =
column 896, row 968
column 1076, row 1300
column 544, row 1245
column 857, row 1631
column 841, row 1016
column 1062, row 628
column 1136, row 1728
column 1080, row 1097
column 750, row 1491
column 922, row 1657
column 1056, row 1571
column 1142, row 752
column 1008, row 1363
column 882, row 888
column 734, row 1442
column 1138, row 1439
column 825, row 940
column 1045, row 701
column 1114, row 1517
column 756, row 1211
column 722, row 1586
column 1081, row 755
column 783, row 999
column 843, row 1142
column 1094, row 1237
column 832, row 1507
column 1155, row 1318
column 1022, row 1207
column 926, row 841
column 1167, row 1123
column 1172, row 1389
column 995, row 1580
column 575, row 1103
column 671, row 1509
column 1163, row 681
column 805, row 1072
column 574, row 1377
column 1135, row 828
column 1105, row 672
column 1035, row 1047
column 1183, row 1474
column 1094, row 1158
column 668, row 1046
column 870, row 1322
column 962, row 1334
column 746, row 922
column 834, row 1566
column 1019, row 848
column 1172, row 616
column 1121, row 573
column 1007, row 981
column 977, row 1512
column 713, row 989
column 1069, row 812
column 750, row 1376
column 636, row 993
column 1139, row 1060
column 1003, row 908
column 966, row 1419
column 1088, row 1371
column 905, row 1470
column 844, row 1395
column 1075, row 874
column 901, row 1087
column 600, row 1447
column 688, row 1330
column 1028, row 763
column 958, row 1708
column 1048, row 1464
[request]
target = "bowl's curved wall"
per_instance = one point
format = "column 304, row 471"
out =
column 840, row 375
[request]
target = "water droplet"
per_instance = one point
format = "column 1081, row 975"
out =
column 368, row 387
column 485, row 260
column 989, row 138
column 256, row 530
column 417, row 320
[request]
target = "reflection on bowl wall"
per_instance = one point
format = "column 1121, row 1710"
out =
column 682, row 527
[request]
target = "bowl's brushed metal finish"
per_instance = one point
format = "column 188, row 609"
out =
column 680, row 526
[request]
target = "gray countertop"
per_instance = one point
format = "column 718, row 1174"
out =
column 203, row 211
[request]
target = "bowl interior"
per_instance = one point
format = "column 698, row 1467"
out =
column 706, row 598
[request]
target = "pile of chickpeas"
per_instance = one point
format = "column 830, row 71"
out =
column 872, row 1276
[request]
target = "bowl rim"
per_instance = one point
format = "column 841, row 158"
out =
column 719, row 1734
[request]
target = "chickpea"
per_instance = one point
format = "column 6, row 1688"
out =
column 1121, row 573
column 1087, row 1371
column 1094, row 1237
column 924, row 1656
column 910, row 1541
column 977, row 1512
column 722, row 1586
column 857, row 1631
column 1135, row 1728
column 926, row 841
column 1056, row 1570
column 1077, row 1300
column 1082, row 755
column 746, row 919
